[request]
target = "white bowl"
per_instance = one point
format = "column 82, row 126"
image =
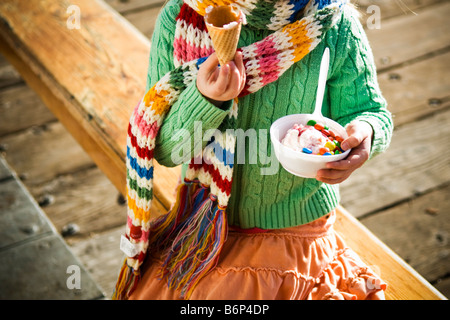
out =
column 299, row 163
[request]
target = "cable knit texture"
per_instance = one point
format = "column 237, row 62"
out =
column 262, row 197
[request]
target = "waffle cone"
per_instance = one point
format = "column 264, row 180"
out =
column 224, row 40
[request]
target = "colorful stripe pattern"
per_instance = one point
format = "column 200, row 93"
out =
column 190, row 236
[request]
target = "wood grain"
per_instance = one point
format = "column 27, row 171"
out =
column 102, row 257
column 41, row 154
column 98, row 66
column 144, row 20
column 417, row 90
column 415, row 162
column 417, row 230
column 394, row 44
column 404, row 283
column 87, row 199
column 134, row 5
column 390, row 9
column 21, row 108
column 8, row 74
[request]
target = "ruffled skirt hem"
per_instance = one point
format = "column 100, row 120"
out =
column 307, row 262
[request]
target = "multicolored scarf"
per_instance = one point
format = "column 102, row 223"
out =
column 190, row 236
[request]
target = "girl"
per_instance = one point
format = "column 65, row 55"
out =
column 237, row 231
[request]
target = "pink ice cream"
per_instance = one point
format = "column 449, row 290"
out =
column 299, row 137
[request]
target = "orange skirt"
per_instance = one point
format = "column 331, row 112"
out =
column 307, row 262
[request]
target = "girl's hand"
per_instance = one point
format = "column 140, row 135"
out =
column 360, row 141
column 220, row 84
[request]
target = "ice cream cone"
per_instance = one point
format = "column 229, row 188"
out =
column 224, row 27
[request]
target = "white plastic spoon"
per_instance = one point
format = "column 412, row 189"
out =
column 324, row 65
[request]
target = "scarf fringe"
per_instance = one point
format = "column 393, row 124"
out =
column 189, row 238
column 165, row 227
column 161, row 230
column 126, row 283
column 195, row 250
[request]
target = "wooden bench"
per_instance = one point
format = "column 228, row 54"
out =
column 91, row 78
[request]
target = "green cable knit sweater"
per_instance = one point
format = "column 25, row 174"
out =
column 264, row 195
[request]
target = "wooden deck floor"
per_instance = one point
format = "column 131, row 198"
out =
column 402, row 195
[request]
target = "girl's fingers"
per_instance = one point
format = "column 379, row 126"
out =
column 354, row 160
column 240, row 65
column 235, row 79
column 352, row 141
column 338, row 171
column 332, row 181
column 224, row 82
column 214, row 75
column 239, row 61
column 223, row 79
column 332, row 176
column 357, row 132
column 326, row 175
column 210, row 64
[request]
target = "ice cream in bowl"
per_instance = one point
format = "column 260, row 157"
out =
column 304, row 145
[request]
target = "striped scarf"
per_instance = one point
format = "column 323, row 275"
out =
column 190, row 236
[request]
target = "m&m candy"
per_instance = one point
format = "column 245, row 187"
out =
column 313, row 138
column 332, row 144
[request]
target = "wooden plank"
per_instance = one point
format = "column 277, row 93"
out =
column 55, row 167
column 390, row 9
column 394, row 43
column 37, row 270
column 417, row 230
column 87, row 199
column 415, row 162
column 418, row 90
column 124, row 7
column 83, row 102
column 8, row 74
column 40, row 154
column 5, row 172
column 19, row 215
column 102, row 257
column 144, row 20
column 21, row 108
column 443, row 285
column 29, row 246
column 404, row 283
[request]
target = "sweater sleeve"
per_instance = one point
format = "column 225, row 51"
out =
column 353, row 89
column 176, row 141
